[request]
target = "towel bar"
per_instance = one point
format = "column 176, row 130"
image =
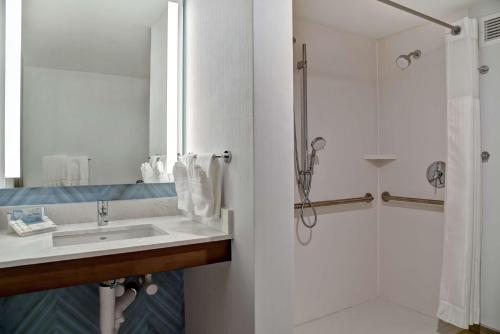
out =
column 386, row 197
column 365, row 199
column 227, row 156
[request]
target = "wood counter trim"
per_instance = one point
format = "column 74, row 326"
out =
column 480, row 329
column 51, row 275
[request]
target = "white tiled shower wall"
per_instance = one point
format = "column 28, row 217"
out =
column 413, row 126
column 337, row 268
column 363, row 104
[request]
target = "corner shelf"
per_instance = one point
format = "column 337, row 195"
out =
column 380, row 157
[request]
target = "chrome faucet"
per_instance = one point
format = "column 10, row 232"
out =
column 102, row 213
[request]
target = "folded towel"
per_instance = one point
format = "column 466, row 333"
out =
column 147, row 172
column 54, row 170
column 155, row 158
column 205, row 181
column 158, row 169
column 77, row 171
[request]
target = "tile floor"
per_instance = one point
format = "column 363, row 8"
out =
column 376, row 317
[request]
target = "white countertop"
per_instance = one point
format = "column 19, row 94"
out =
column 34, row 249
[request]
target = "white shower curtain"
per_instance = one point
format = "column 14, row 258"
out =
column 459, row 294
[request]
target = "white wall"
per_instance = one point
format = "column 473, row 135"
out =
column 337, row 268
column 412, row 126
column 102, row 116
column 273, row 147
column 219, row 115
column 240, row 98
column 490, row 103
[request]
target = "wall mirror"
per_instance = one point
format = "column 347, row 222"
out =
column 92, row 92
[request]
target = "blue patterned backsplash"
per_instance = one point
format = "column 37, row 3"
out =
column 75, row 310
column 60, row 195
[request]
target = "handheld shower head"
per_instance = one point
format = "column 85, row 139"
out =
column 318, row 143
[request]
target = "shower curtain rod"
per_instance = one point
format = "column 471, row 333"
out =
column 455, row 30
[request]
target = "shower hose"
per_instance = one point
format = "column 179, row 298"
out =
column 304, row 179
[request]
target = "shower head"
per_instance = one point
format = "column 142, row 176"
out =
column 404, row 61
column 318, row 143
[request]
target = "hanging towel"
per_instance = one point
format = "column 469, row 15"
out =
column 181, row 179
column 182, row 187
column 206, row 185
column 459, row 292
column 201, row 192
column 54, row 170
column 77, row 171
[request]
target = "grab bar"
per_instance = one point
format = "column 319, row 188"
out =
column 365, row 199
column 386, row 197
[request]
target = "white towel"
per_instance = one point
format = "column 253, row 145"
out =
column 155, row 158
column 159, row 169
column 146, row 172
column 181, row 178
column 184, row 201
column 205, row 185
column 54, row 170
column 77, row 171
column 201, row 192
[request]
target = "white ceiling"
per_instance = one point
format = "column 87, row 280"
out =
column 102, row 36
column 372, row 18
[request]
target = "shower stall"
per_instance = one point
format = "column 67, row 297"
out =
column 371, row 253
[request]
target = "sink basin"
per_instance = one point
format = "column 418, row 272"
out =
column 105, row 234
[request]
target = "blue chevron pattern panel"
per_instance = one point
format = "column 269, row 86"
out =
column 59, row 195
column 75, row 310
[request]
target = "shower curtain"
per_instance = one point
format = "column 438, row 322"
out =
column 459, row 294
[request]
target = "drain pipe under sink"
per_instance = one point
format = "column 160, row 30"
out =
column 121, row 305
column 107, row 297
column 115, row 297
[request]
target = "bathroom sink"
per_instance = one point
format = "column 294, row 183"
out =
column 104, row 234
